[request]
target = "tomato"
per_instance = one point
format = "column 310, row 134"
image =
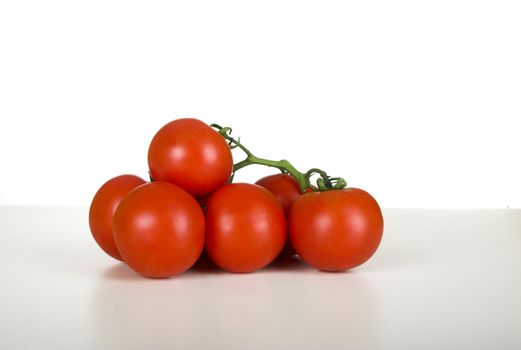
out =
column 192, row 155
column 103, row 207
column 159, row 230
column 336, row 230
column 245, row 227
column 286, row 189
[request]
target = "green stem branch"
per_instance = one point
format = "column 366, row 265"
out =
column 324, row 182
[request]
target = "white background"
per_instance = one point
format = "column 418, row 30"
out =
column 415, row 101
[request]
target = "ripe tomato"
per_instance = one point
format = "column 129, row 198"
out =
column 159, row 230
column 286, row 189
column 103, row 207
column 192, row 155
column 245, row 227
column 336, row 230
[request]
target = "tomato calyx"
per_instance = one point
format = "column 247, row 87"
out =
column 323, row 183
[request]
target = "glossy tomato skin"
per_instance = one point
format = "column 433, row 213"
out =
column 159, row 230
column 245, row 227
column 103, row 207
column 286, row 189
column 191, row 155
column 336, row 230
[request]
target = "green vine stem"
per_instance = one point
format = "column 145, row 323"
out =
column 323, row 183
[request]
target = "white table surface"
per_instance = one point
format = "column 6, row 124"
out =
column 441, row 279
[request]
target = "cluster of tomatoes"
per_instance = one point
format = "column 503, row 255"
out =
column 160, row 228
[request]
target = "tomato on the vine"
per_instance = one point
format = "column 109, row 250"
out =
column 245, row 227
column 159, row 230
column 286, row 189
column 336, row 230
column 103, row 207
column 191, row 155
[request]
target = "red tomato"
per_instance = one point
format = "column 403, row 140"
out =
column 191, row 155
column 159, row 230
column 286, row 189
column 103, row 207
column 245, row 227
column 336, row 230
